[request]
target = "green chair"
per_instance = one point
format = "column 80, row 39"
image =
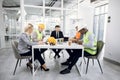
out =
column 100, row 45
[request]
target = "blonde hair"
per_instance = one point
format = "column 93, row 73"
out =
column 29, row 26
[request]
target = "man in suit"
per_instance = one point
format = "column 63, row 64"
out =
column 57, row 34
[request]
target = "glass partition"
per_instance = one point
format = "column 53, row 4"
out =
column 33, row 11
column 35, row 2
column 49, row 12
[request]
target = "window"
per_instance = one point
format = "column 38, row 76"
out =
column 100, row 21
column 51, row 13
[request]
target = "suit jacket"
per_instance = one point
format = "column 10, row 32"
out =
column 53, row 34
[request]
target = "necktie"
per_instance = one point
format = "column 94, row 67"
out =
column 57, row 34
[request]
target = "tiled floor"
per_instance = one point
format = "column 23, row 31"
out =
column 7, row 63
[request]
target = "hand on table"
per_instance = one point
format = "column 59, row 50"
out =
column 80, row 42
column 40, row 42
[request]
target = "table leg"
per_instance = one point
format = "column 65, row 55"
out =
column 82, row 66
column 80, row 69
column 33, row 61
column 77, row 67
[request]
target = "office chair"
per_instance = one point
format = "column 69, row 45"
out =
column 100, row 45
column 17, row 55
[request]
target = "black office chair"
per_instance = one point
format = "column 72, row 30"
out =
column 100, row 45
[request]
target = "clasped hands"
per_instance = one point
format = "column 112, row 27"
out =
column 41, row 42
column 76, row 41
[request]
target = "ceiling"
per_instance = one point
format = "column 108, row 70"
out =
column 16, row 3
column 29, row 10
column 56, row 3
column 49, row 3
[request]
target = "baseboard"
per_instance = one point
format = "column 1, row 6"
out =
column 111, row 61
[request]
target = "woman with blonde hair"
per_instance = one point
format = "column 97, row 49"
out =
column 24, row 47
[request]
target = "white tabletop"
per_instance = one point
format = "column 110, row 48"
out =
column 60, row 46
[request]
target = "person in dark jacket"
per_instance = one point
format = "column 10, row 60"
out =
column 57, row 34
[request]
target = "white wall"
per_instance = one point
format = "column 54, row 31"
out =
column 112, row 45
column 86, row 15
column 1, row 26
column 86, row 12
